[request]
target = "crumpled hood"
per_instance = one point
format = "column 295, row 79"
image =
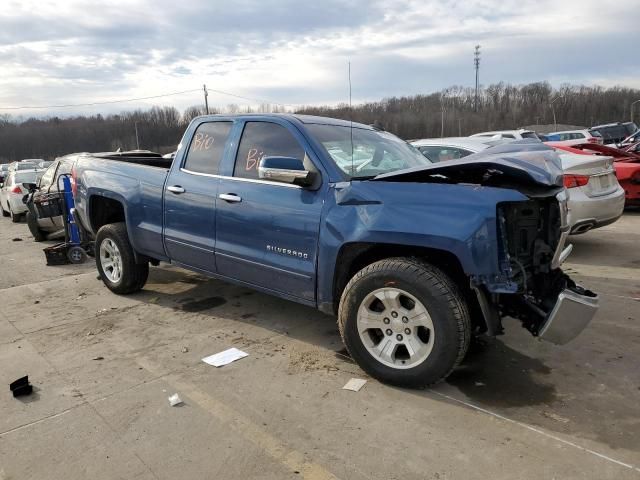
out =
column 528, row 163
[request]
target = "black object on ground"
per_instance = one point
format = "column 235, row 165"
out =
column 57, row 254
column 21, row 387
column 16, row 239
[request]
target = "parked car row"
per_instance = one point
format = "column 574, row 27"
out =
column 12, row 178
column 596, row 198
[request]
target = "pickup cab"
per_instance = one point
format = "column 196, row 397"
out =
column 414, row 258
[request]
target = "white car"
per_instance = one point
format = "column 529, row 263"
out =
column 12, row 192
column 596, row 198
column 453, row 148
column 520, row 134
column 574, row 137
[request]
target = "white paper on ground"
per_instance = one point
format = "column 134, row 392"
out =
column 174, row 400
column 225, row 357
column 355, row 384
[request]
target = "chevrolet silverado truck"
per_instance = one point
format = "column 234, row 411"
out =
column 414, row 258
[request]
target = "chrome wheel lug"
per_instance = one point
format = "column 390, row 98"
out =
column 386, row 320
column 389, row 332
column 407, row 331
column 394, row 314
column 405, row 320
column 399, row 337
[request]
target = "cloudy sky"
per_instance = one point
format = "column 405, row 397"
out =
column 296, row 52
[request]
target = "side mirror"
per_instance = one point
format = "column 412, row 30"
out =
column 285, row 170
column 30, row 186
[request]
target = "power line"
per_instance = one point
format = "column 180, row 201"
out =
column 107, row 102
column 26, row 107
column 250, row 99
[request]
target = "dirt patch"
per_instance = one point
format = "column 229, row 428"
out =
column 310, row 361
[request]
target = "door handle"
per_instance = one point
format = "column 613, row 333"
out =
column 177, row 189
column 230, row 197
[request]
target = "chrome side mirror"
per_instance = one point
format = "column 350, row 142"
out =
column 285, row 170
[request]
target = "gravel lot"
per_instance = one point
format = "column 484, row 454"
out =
column 103, row 367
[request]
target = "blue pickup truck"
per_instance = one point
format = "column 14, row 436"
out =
column 414, row 258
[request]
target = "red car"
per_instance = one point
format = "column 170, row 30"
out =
column 626, row 163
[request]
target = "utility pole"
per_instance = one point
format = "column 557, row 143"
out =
column 137, row 139
column 631, row 109
column 206, row 99
column 476, row 62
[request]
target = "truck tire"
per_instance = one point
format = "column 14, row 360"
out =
column 38, row 234
column 404, row 322
column 116, row 261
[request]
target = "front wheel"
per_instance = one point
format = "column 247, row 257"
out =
column 404, row 322
column 4, row 212
column 116, row 261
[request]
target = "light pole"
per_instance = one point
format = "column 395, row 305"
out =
column 631, row 108
column 553, row 110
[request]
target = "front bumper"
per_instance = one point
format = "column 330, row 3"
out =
column 573, row 311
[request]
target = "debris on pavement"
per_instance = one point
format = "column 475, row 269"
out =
column 355, row 384
column 175, row 400
column 16, row 239
column 97, row 358
column 185, row 349
column 21, row 387
column 225, row 357
column 555, row 417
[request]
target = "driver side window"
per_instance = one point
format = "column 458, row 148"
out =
column 262, row 139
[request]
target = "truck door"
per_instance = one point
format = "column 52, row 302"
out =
column 267, row 232
column 190, row 198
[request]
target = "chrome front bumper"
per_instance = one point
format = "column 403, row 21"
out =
column 562, row 250
column 570, row 315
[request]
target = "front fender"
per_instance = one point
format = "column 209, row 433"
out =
column 458, row 219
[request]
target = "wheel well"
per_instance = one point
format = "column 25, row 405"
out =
column 354, row 257
column 103, row 210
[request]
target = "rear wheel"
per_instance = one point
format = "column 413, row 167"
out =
column 115, row 260
column 404, row 322
column 4, row 212
column 32, row 222
column 15, row 217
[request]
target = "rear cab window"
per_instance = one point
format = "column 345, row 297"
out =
column 207, row 148
column 262, row 139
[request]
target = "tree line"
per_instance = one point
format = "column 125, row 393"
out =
column 449, row 112
column 454, row 112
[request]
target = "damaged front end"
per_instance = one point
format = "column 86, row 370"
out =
column 533, row 238
column 531, row 235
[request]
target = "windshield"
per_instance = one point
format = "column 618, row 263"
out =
column 374, row 152
column 26, row 166
column 26, row 177
column 529, row 135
